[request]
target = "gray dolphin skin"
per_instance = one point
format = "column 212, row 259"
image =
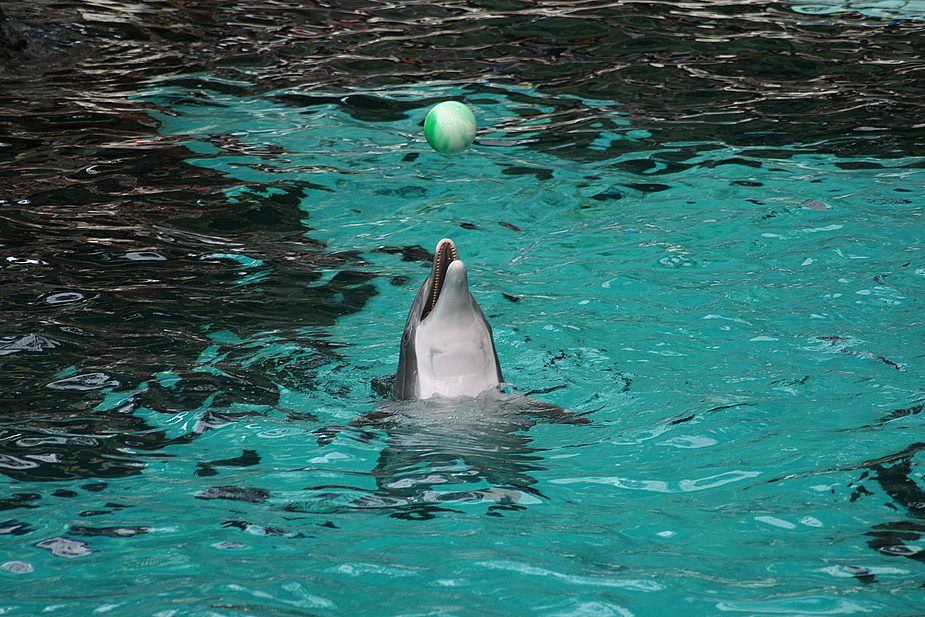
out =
column 447, row 347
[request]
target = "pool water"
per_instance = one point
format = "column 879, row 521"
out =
column 205, row 307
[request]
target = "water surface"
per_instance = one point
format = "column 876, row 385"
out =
column 698, row 225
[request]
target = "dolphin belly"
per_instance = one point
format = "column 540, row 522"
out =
column 458, row 362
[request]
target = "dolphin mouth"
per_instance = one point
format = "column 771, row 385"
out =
column 444, row 255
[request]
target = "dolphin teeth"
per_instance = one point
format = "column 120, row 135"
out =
column 445, row 254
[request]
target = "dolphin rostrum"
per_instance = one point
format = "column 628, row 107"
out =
column 446, row 349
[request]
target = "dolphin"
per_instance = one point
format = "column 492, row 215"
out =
column 447, row 347
column 454, row 424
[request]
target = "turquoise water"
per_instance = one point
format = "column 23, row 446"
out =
column 744, row 334
column 697, row 225
column 902, row 9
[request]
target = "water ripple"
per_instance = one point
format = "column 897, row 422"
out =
column 664, row 486
column 84, row 381
column 30, row 342
column 593, row 581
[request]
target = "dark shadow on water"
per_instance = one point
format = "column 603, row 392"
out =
column 119, row 260
column 896, row 476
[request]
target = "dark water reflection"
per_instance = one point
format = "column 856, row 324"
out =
column 440, row 452
column 111, row 266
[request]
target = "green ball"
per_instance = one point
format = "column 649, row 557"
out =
column 449, row 127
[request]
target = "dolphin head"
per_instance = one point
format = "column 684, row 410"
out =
column 446, row 348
